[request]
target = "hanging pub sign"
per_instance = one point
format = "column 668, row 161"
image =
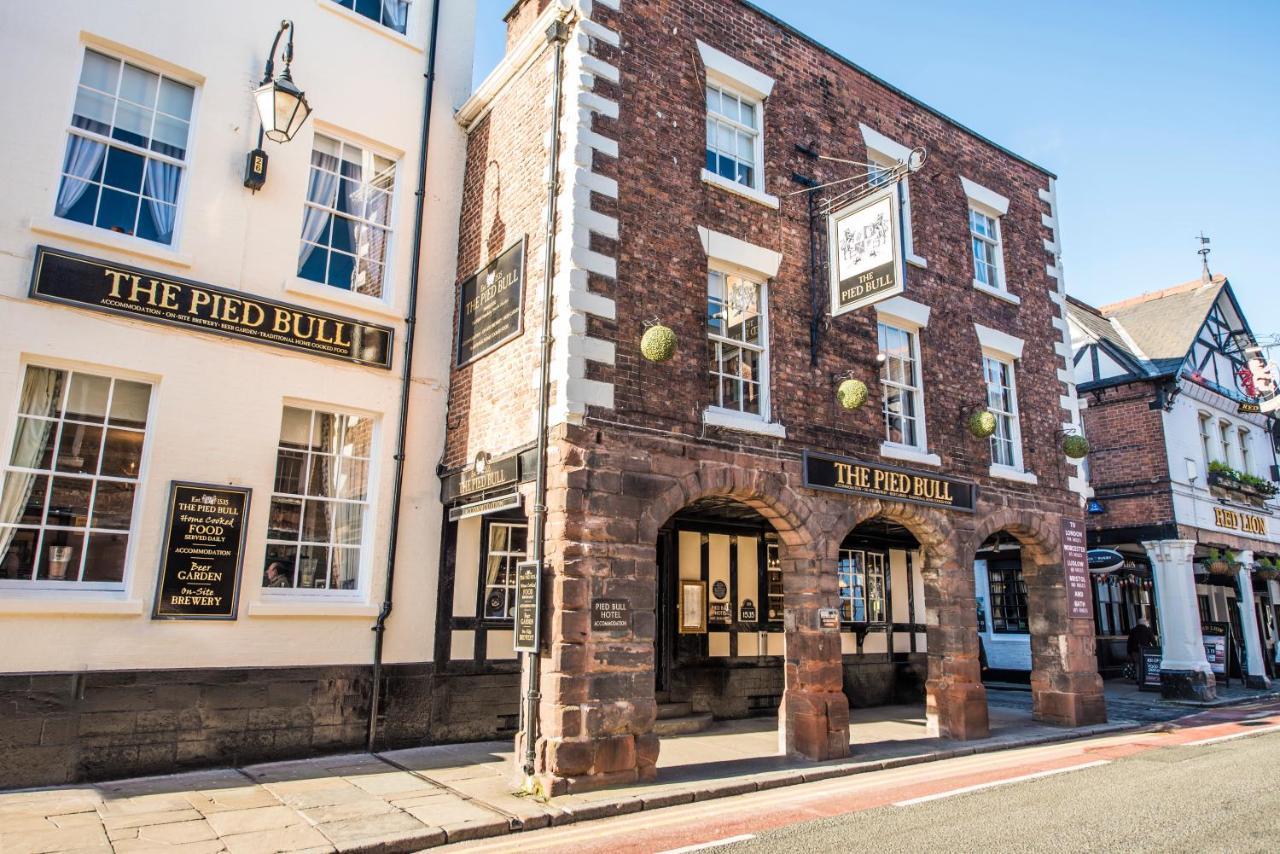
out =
column 528, row 623
column 1075, row 564
column 90, row 283
column 490, row 312
column 203, row 551
column 865, row 256
column 843, row 474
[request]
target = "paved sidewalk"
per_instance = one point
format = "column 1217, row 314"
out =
column 407, row 800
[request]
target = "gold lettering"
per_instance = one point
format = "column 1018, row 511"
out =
column 168, row 296
column 338, row 336
column 253, row 314
column 138, row 289
column 297, row 326
column 281, row 323
column 116, row 276
column 198, row 298
column 231, row 310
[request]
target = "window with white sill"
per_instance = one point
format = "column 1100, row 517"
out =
column 1206, row 441
column 1246, row 458
column 506, row 545
column 346, row 224
column 1002, row 400
column 68, row 503
column 734, row 147
column 316, row 530
column 126, row 153
column 392, row 14
column 736, row 325
column 984, row 233
column 901, row 388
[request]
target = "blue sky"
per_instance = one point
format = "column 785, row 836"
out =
column 1160, row 119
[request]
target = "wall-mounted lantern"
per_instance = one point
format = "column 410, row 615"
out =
column 282, row 108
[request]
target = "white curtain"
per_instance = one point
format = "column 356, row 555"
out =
column 38, row 398
column 84, row 156
column 320, row 191
column 162, row 187
column 395, row 13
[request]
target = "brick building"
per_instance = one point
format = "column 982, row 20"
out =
column 767, row 547
column 1183, row 469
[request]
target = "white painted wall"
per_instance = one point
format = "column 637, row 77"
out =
column 217, row 402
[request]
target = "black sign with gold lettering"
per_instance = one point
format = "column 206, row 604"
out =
column 528, row 616
column 203, row 550
column 491, row 311
column 842, row 474
column 120, row 289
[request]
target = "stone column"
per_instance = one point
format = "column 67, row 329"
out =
column 1184, row 670
column 1066, row 689
column 955, row 701
column 1255, row 667
column 813, row 721
column 1273, row 588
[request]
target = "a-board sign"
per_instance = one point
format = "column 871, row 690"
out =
column 611, row 615
column 203, row 552
column 1149, row 669
column 122, row 289
column 528, row 617
column 1214, row 636
column 491, row 306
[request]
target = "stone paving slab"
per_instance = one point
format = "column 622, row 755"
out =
column 408, row 800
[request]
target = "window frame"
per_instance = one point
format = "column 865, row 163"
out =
column 482, row 576
column 368, row 522
column 1206, row 438
column 917, row 392
column 1246, row 457
column 994, row 241
column 386, row 293
column 757, row 133
column 861, row 569
column 408, row 16
column 712, row 339
column 159, row 69
column 1015, row 425
column 141, row 480
column 1020, row 602
column 1224, row 439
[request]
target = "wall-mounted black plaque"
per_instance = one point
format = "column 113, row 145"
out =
column 610, row 615
column 528, row 606
column 203, row 551
column 747, row 612
column 719, row 613
column 144, row 295
column 843, row 474
column 490, row 313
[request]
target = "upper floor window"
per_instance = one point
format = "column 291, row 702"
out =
column 1224, row 439
column 878, row 173
column 1206, row 441
column 1002, row 400
column 900, row 384
column 860, row 576
column 739, row 344
column 126, row 149
column 1246, row 459
column 507, row 545
column 67, row 507
column 393, row 14
column 733, row 136
column 984, row 231
column 317, row 523
column 346, row 224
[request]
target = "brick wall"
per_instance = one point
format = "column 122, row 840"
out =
column 1128, row 466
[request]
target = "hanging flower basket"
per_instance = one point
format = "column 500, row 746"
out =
column 1221, row 564
column 658, row 343
column 1076, row 447
column 851, row 394
column 982, row 424
column 1266, row 573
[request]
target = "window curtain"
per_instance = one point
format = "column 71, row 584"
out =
column 395, row 14
column 320, row 191
column 39, row 394
column 162, row 188
column 84, row 156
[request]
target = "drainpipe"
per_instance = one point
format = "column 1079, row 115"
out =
column 557, row 35
column 410, row 325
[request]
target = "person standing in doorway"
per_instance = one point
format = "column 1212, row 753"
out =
column 1140, row 637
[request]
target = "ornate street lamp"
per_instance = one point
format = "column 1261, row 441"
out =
column 282, row 108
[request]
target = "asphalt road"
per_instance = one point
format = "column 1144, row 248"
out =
column 1216, row 797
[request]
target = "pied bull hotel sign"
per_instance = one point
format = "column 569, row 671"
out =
column 120, row 289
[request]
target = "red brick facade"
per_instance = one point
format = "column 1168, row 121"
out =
column 1128, row 461
column 619, row 471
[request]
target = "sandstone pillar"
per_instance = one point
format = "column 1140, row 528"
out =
column 955, row 701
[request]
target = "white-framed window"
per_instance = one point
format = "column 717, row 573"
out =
column 392, row 14
column 879, row 172
column 733, row 136
column 901, row 387
column 1224, row 439
column 1206, row 440
column 71, row 480
column 737, row 325
column 1246, row 458
column 506, row 544
column 883, row 155
column 346, row 223
column 1002, row 400
column 127, row 146
column 860, row 576
column 984, row 232
column 317, row 530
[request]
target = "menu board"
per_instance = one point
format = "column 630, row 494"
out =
column 528, row 606
column 203, row 552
